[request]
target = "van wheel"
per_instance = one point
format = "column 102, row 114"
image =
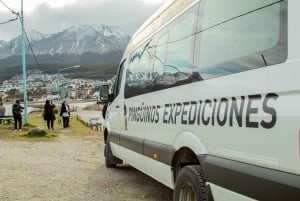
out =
column 190, row 185
column 110, row 160
column 108, row 156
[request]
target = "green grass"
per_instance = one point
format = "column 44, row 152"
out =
column 36, row 120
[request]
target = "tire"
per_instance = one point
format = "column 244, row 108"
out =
column 104, row 110
column 110, row 160
column 190, row 185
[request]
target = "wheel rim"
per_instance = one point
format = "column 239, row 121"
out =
column 186, row 193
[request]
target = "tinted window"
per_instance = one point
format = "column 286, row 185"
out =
column 233, row 36
column 240, row 35
column 138, row 72
column 174, row 55
column 117, row 84
column 165, row 63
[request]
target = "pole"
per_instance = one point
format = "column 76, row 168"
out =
column 58, row 98
column 24, row 65
column 57, row 82
column 57, row 77
column 57, row 85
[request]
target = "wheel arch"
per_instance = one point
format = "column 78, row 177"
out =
column 183, row 157
column 188, row 147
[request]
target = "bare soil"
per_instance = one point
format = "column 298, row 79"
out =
column 69, row 168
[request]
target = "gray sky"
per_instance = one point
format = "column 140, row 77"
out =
column 52, row 16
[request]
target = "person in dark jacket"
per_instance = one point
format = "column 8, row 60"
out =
column 2, row 109
column 65, row 114
column 49, row 114
column 16, row 111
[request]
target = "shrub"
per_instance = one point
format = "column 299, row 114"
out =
column 37, row 132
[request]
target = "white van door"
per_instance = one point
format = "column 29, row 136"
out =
column 124, row 144
column 116, row 111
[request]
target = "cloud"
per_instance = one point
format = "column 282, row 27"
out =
column 129, row 15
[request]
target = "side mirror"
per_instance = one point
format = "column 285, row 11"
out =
column 104, row 94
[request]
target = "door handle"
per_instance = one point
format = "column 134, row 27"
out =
column 117, row 106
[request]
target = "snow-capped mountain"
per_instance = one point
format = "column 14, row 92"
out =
column 79, row 40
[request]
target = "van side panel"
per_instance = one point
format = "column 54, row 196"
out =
column 220, row 80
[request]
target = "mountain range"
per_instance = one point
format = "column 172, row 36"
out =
column 84, row 44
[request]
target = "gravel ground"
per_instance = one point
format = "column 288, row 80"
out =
column 70, row 168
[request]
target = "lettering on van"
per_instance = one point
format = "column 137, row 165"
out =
column 147, row 114
column 251, row 111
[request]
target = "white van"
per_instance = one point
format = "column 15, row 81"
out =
column 207, row 100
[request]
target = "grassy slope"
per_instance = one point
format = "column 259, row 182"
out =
column 36, row 120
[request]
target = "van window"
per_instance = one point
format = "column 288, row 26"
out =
column 174, row 54
column 166, row 63
column 160, row 57
column 138, row 72
column 248, row 35
column 117, row 84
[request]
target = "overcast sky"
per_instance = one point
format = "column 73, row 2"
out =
column 52, row 16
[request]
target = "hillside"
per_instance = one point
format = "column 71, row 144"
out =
column 89, row 71
column 97, row 48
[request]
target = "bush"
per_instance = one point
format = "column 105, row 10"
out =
column 37, row 132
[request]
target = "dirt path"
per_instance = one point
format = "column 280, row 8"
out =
column 70, row 168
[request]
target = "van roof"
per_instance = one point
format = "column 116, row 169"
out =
column 161, row 17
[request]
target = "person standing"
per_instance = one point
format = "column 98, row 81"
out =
column 16, row 111
column 2, row 109
column 65, row 114
column 49, row 114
